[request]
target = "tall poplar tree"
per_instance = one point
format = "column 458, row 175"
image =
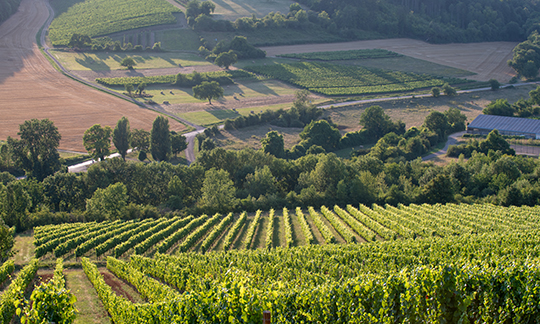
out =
column 122, row 136
column 160, row 139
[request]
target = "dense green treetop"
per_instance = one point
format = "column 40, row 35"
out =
column 160, row 139
column 122, row 136
column 36, row 151
column 97, row 141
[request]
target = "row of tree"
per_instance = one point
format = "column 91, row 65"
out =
column 521, row 108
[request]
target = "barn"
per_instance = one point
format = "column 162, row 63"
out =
column 483, row 124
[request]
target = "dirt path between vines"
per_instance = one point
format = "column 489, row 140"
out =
column 487, row 59
column 31, row 88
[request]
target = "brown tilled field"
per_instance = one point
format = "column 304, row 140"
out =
column 488, row 60
column 31, row 88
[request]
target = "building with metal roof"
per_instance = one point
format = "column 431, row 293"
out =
column 483, row 124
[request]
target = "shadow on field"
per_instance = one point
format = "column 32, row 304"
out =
column 90, row 63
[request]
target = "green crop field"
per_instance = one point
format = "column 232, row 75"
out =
column 102, row 17
column 344, row 80
column 419, row 263
column 228, row 75
column 344, row 55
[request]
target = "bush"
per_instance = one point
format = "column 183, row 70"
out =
column 494, row 84
column 436, row 92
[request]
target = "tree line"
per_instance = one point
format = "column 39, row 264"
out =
column 8, row 8
column 224, row 180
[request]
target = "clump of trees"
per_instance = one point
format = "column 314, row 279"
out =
column 526, row 57
column 522, row 108
column 239, row 46
column 493, row 142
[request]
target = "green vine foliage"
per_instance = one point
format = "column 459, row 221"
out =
column 50, row 302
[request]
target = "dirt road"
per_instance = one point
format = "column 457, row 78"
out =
column 487, row 59
column 31, row 88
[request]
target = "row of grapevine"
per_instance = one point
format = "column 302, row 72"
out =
column 6, row 269
column 49, row 246
column 388, row 223
column 97, row 240
column 270, row 230
column 321, row 226
column 306, row 229
column 157, row 237
column 120, row 309
column 141, row 236
column 340, row 227
column 76, row 241
column 233, row 232
column 288, row 228
column 12, row 293
column 360, row 228
column 406, row 222
column 118, row 239
column 149, row 288
column 197, row 234
column 384, row 232
column 216, row 232
column 51, row 232
column 251, row 230
column 166, row 244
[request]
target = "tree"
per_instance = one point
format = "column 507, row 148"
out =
column 437, row 122
column 140, row 139
column 436, row 92
column 375, row 121
column 494, row 84
column 207, row 7
column 261, row 182
column 129, row 89
column 218, row 191
column 208, row 90
column 6, row 241
column 208, row 144
column 499, row 107
column 456, row 120
column 273, row 144
column 141, row 87
column 79, row 40
column 160, row 139
column 36, row 152
column 128, row 62
column 321, row 133
column 448, row 90
column 226, row 59
column 97, row 141
column 109, row 203
column 122, row 136
column 178, row 144
column 526, row 57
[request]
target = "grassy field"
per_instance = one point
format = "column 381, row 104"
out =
column 178, row 39
column 250, row 137
column 104, row 61
column 88, row 303
column 414, row 111
column 102, row 17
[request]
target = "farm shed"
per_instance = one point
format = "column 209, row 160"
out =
column 483, row 124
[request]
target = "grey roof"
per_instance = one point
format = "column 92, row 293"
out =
column 508, row 124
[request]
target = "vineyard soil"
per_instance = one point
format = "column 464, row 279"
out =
column 31, row 88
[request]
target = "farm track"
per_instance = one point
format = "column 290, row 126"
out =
column 31, row 88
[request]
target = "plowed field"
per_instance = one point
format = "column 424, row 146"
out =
column 31, row 88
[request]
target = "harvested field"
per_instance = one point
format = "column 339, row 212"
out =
column 31, row 88
column 487, row 59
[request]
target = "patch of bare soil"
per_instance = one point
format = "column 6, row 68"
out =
column 118, row 287
column 31, row 88
column 487, row 59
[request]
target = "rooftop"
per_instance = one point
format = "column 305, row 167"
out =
column 508, row 124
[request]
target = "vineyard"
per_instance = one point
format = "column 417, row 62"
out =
column 417, row 263
column 102, row 17
column 343, row 80
column 344, row 55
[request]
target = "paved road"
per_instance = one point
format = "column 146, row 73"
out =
column 357, row 102
column 452, row 140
